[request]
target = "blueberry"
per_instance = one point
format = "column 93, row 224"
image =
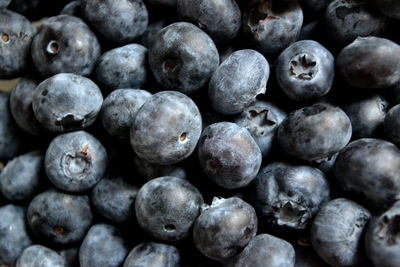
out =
column 103, row 245
column 59, row 218
column 172, row 132
column 153, row 254
column 229, row 155
column 167, row 207
column 40, row 256
column 60, row 103
column 13, row 232
column 119, row 22
column 16, row 35
column 390, row 8
column 122, row 67
column 305, row 70
column 370, row 62
column 391, row 124
column 20, row 179
column 224, row 228
column 10, row 141
column 262, row 120
column 315, row 133
column 73, row 8
column 288, row 196
column 119, row 110
column 183, row 57
column 237, row 81
column 65, row 44
column 370, row 167
column 75, row 161
column 114, row 199
column 337, row 231
column 4, row 3
column 220, row 19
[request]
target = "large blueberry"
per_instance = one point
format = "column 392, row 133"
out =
column 40, row 256
column 10, row 141
column 153, row 254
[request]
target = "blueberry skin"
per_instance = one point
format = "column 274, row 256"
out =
column 59, row 218
column 60, row 103
column 114, row 199
column 73, row 8
column 153, row 254
column 366, row 116
column 4, row 3
column 305, row 70
column 10, row 142
column 65, row 44
column 20, row 178
column 237, row 81
column 265, row 250
column 119, row 22
column 262, row 120
column 40, row 256
column 13, row 232
column 122, row 67
column 390, row 8
column 315, row 132
column 75, row 161
column 272, row 26
column 288, row 196
column 183, row 57
column 370, row 62
column 382, row 239
column 220, row 19
column 224, row 228
column 119, row 110
column 166, row 3
column 103, row 245
column 370, row 167
column 336, row 232
column 151, row 171
column 16, row 35
column 173, row 131
column 167, row 207
column 391, row 124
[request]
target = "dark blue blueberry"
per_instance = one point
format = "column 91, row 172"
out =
column 103, row 245
column 73, row 8
column 59, row 218
column 390, row 8
column 167, row 207
column 183, row 57
column 14, row 236
column 153, row 254
column 149, row 35
column 370, row 62
column 237, row 81
column 66, row 102
column 40, row 256
column 166, row 128
column 391, row 124
column 75, row 161
column 10, row 141
column 20, row 178
column 336, row 232
column 16, row 35
column 115, row 199
column 119, row 22
column 224, row 228
column 305, row 70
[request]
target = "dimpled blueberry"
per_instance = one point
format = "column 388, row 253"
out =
column 224, row 228
column 153, row 254
column 336, row 232
column 390, row 8
column 305, row 70
column 167, row 207
column 237, row 81
column 203, row 13
column 103, row 245
column 122, row 67
column 16, row 35
column 9, row 139
column 119, row 22
column 66, row 102
column 65, row 44
column 391, row 124
column 14, row 236
column 370, row 62
column 183, row 57
column 166, row 128
column 316, row 132
column 40, row 256
column 119, row 110
column 75, row 161
column 59, row 218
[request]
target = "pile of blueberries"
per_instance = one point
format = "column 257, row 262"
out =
column 197, row 133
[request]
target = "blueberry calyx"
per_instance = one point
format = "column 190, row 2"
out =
column 5, row 38
column 303, row 66
column 53, row 47
column 290, row 213
column 391, row 229
column 77, row 165
column 70, row 122
column 265, row 122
